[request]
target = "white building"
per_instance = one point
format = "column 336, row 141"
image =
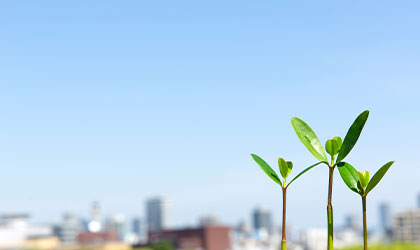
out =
column 15, row 229
column 314, row 239
column 407, row 226
column 69, row 228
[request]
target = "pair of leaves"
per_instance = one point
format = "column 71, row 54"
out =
column 308, row 137
column 285, row 167
column 352, row 179
column 282, row 165
column 333, row 146
column 363, row 178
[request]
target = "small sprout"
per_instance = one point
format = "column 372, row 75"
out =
column 363, row 178
column 332, row 147
column 360, row 183
column 353, row 179
column 284, row 168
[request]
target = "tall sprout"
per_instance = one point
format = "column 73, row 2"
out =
column 360, row 183
column 285, row 168
column 335, row 148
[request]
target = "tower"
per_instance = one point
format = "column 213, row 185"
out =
column 157, row 214
column 384, row 217
column 262, row 223
column 94, row 224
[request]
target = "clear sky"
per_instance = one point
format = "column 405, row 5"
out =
column 118, row 102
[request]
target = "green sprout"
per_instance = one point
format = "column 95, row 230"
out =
column 359, row 183
column 335, row 148
column 285, row 168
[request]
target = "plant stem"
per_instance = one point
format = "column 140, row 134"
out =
column 365, row 243
column 283, row 234
column 330, row 211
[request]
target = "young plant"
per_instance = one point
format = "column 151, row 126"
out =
column 359, row 183
column 285, row 168
column 335, row 148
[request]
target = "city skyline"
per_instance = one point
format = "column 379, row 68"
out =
column 122, row 103
column 156, row 209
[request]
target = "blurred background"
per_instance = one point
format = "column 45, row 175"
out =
column 131, row 124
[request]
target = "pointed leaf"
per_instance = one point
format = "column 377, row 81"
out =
column 283, row 167
column 304, row 171
column 309, row 139
column 352, row 135
column 378, row 176
column 349, row 175
column 266, row 168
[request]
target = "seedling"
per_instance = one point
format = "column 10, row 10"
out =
column 335, row 148
column 359, row 183
column 285, row 168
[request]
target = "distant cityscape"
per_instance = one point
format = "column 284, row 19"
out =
column 120, row 232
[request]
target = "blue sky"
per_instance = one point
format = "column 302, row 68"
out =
column 118, row 102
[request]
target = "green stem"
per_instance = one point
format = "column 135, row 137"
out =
column 330, row 211
column 283, row 234
column 365, row 243
column 330, row 229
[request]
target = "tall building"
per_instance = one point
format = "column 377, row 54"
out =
column 95, row 224
column 70, row 227
column 385, row 217
column 157, row 214
column 407, row 226
column 136, row 226
column 261, row 220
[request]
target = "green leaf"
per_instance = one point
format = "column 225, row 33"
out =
column 329, row 147
column 363, row 178
column 266, row 168
column 332, row 147
column 352, row 135
column 339, row 142
column 309, row 139
column 289, row 166
column 283, row 167
column 349, row 175
column 378, row 176
column 304, row 171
